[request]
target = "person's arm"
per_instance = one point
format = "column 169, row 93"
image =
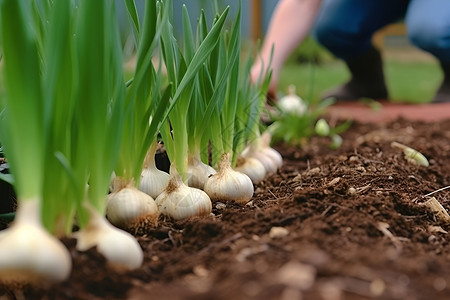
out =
column 289, row 25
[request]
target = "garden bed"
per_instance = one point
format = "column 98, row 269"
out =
column 331, row 224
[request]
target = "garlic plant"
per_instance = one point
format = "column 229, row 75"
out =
column 30, row 128
column 197, row 171
column 100, row 120
column 228, row 184
column 148, row 103
column 178, row 200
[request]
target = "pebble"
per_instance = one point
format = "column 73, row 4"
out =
column 297, row 275
column 278, row 232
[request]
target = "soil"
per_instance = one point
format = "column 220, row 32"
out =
column 331, row 224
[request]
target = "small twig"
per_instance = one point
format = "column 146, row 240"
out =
column 441, row 189
column 326, row 210
column 363, row 188
column 433, row 192
column 169, row 234
column 273, row 194
column 383, row 227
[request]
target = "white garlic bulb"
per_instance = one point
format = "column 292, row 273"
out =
column 262, row 151
column 120, row 248
column 153, row 181
column 274, row 155
column 265, row 148
column 292, row 103
column 251, row 167
column 28, row 253
column 228, row 184
column 180, row 201
column 269, row 164
column 198, row 171
column 129, row 208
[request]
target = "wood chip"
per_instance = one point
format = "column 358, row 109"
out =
column 437, row 209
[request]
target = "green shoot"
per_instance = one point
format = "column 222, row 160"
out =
column 182, row 73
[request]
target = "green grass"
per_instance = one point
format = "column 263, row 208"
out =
column 408, row 81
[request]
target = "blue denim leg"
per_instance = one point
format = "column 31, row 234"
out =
column 428, row 24
column 346, row 27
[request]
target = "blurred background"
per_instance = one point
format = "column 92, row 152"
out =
column 412, row 75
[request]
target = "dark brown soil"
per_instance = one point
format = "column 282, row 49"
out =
column 353, row 227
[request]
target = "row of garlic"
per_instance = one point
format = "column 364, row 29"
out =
column 130, row 208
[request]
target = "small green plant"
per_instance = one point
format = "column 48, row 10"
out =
column 323, row 129
column 297, row 129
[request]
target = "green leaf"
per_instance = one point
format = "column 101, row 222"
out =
column 132, row 13
column 24, row 115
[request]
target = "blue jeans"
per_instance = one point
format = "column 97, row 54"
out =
column 346, row 27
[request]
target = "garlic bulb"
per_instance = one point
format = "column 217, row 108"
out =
column 28, row 253
column 269, row 164
column 292, row 103
column 119, row 247
column 153, row 181
column 266, row 138
column 228, row 184
column 129, row 208
column 198, row 171
column 255, row 151
column 251, row 167
column 274, row 155
column 180, row 201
